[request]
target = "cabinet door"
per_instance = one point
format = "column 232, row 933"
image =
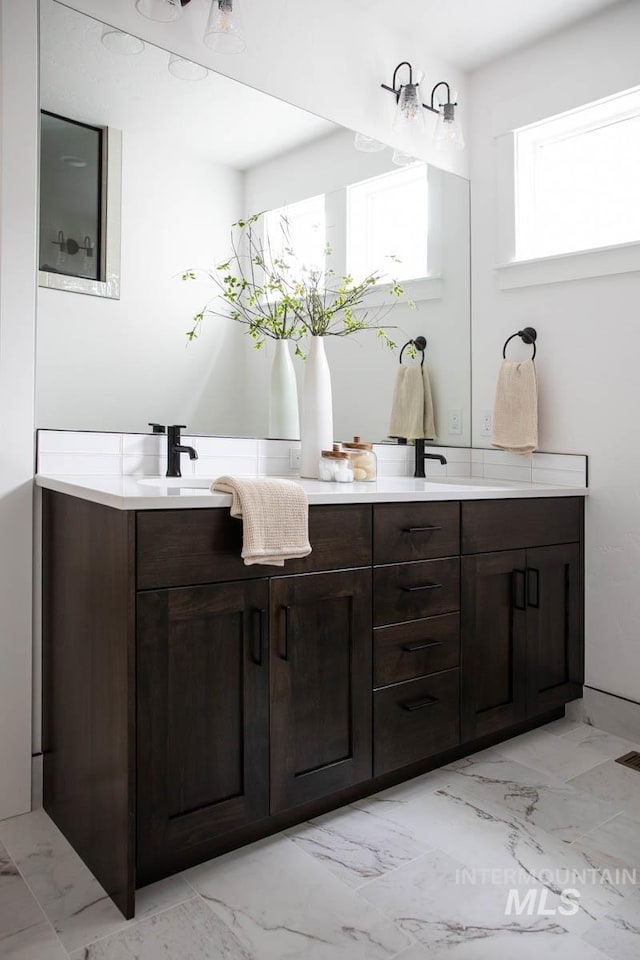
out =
column 320, row 685
column 202, row 680
column 494, row 634
column 554, row 626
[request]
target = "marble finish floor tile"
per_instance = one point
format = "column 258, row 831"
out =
column 72, row 899
column 358, row 845
column 611, row 783
column 560, row 756
column 559, row 728
column 564, row 810
column 430, row 900
column 606, row 744
column 25, row 933
column 189, row 931
column 614, row 847
column 618, row 935
column 283, row 904
column 523, row 945
column 486, row 838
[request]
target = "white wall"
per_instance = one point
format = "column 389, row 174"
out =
column 18, row 191
column 588, row 347
column 118, row 364
column 363, row 370
column 329, row 58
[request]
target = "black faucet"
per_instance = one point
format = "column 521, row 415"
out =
column 175, row 448
column 421, row 456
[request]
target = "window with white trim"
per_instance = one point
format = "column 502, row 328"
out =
column 577, row 179
column 387, row 225
column 301, row 228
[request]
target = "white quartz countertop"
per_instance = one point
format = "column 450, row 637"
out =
column 158, row 493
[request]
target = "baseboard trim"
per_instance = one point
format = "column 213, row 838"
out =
column 606, row 711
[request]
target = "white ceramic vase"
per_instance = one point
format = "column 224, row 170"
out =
column 284, row 421
column 316, row 432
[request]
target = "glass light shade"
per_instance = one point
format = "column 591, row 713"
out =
column 402, row 159
column 409, row 111
column 448, row 133
column 186, row 69
column 118, row 42
column 225, row 32
column 163, row 10
column 367, row 144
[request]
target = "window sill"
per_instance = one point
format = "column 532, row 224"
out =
column 578, row 265
column 426, row 288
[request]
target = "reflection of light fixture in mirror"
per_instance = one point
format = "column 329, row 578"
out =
column 448, row 132
column 118, row 42
column 367, row 144
column 409, row 109
column 77, row 162
column 164, row 11
column 61, row 243
column 89, row 254
column 224, row 33
column 402, row 159
column 186, row 69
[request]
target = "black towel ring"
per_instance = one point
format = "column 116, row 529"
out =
column 420, row 343
column 528, row 335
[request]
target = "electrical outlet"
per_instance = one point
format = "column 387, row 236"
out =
column 455, row 421
column 486, row 423
column 294, row 458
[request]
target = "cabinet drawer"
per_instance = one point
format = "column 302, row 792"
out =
column 415, row 531
column 183, row 547
column 416, row 649
column 415, row 720
column 489, row 525
column 411, row 591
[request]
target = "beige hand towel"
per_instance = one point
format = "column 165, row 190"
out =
column 515, row 415
column 275, row 518
column 412, row 413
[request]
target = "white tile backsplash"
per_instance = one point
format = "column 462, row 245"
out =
column 64, row 441
column 80, row 464
column 113, row 454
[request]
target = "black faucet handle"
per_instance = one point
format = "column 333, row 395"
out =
column 158, row 427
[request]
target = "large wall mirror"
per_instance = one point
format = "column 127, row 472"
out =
column 197, row 156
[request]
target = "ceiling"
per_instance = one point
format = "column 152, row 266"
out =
column 217, row 118
column 469, row 33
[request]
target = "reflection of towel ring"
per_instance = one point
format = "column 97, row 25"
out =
column 420, row 343
column 528, row 335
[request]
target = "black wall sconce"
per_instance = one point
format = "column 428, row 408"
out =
column 409, row 112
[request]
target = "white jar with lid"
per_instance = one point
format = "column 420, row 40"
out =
column 335, row 466
column 364, row 460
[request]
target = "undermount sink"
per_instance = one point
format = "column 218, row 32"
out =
column 197, row 483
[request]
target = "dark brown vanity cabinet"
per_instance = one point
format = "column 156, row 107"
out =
column 320, row 685
column 193, row 704
column 202, row 716
column 522, row 628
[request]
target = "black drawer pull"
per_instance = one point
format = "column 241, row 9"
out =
column 414, row 647
column 420, row 704
column 425, row 586
column 285, row 653
column 533, row 587
column 420, row 529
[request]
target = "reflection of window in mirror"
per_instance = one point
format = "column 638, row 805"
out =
column 71, row 198
column 387, row 225
column 300, row 228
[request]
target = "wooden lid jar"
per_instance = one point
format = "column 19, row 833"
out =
column 365, row 462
